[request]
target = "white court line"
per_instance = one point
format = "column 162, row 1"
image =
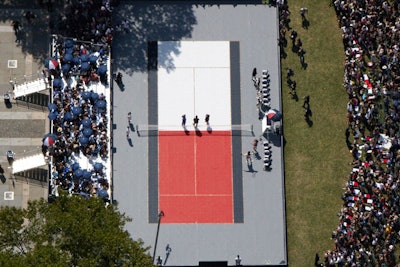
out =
column 195, row 139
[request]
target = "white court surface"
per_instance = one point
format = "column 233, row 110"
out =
column 196, row 81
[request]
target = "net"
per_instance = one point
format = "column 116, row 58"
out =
column 234, row 130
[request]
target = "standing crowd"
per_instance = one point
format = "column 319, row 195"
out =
column 369, row 223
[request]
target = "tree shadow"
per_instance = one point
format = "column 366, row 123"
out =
column 32, row 37
column 149, row 23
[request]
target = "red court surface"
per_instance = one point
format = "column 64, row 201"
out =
column 195, row 177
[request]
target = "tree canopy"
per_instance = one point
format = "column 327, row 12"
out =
column 70, row 231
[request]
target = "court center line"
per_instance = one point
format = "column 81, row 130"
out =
column 194, row 136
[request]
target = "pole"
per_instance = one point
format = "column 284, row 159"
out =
column 160, row 214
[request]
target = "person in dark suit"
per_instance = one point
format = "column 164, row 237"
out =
column 195, row 121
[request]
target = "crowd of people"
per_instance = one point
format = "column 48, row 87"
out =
column 79, row 113
column 369, row 222
column 88, row 20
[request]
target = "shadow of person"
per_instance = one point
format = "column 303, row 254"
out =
column 250, row 168
column 261, row 114
column 257, row 155
column 121, row 86
column 187, row 132
column 1, row 170
column 267, row 168
column 198, row 132
column 295, row 49
column 304, row 65
column 349, row 144
column 309, row 122
column 295, row 96
column 305, row 24
column 132, row 127
column 310, row 113
column 3, row 178
column 130, row 142
column 283, row 53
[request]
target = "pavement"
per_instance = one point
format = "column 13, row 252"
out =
column 21, row 126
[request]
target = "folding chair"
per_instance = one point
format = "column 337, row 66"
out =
column 267, row 154
column 266, row 145
column 265, row 83
column 265, row 80
column 267, row 164
column 266, row 95
column 266, row 102
column 266, row 90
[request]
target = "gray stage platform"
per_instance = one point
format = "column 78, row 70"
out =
column 261, row 238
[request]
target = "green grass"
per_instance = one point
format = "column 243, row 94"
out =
column 316, row 157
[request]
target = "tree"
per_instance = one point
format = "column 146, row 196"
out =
column 70, row 231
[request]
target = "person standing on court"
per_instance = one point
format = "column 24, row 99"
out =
column 255, row 143
column 254, row 73
column 184, row 120
column 195, row 121
column 248, row 157
column 129, row 117
column 207, row 119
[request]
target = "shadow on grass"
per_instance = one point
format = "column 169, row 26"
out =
column 305, row 24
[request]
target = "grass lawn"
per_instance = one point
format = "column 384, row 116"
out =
column 316, row 156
